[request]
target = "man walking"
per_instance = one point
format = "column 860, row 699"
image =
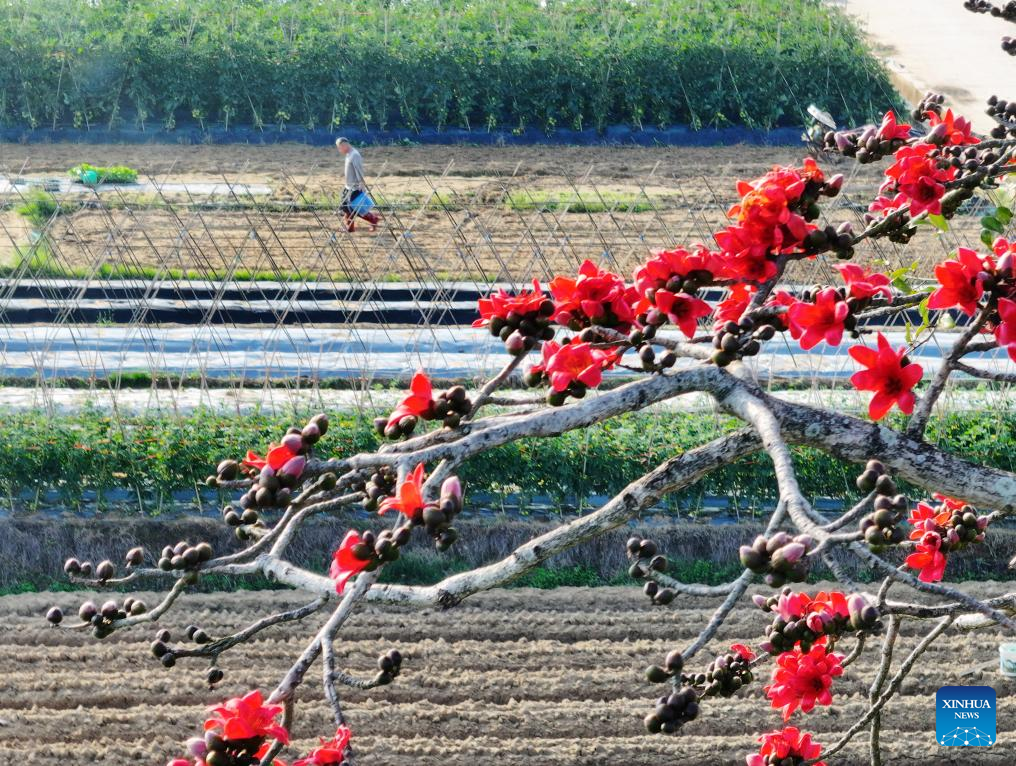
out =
column 355, row 199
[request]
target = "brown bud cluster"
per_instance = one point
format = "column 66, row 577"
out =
column 651, row 361
column 781, row 558
column 1004, row 113
column 737, row 340
column 101, row 618
column 673, row 711
column 380, row 485
column 866, row 145
column 646, row 558
column 389, row 665
column 882, row 526
column 183, row 556
column 724, row 676
column 521, row 332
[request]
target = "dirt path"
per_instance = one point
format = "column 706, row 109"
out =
column 520, row 677
column 938, row 45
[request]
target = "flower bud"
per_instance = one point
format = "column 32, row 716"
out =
column 760, row 601
column 293, row 442
column 790, row 553
column 196, row 746
column 311, row 433
column 452, row 487
column 294, row 466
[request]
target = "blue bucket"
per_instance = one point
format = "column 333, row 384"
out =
column 361, row 204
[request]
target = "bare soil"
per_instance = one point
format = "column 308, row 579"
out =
column 449, row 211
column 517, row 678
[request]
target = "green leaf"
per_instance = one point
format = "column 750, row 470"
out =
column 922, row 307
column 991, row 223
column 1003, row 214
column 939, row 222
column 986, row 237
column 899, row 279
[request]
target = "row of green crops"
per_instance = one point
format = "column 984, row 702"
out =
column 153, row 455
column 478, row 64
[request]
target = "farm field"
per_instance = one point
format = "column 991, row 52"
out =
column 520, row 676
column 478, row 213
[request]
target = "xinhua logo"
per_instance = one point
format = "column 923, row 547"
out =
column 965, row 716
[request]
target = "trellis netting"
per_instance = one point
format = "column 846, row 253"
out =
column 172, row 294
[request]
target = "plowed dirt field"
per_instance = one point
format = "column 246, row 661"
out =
column 513, row 678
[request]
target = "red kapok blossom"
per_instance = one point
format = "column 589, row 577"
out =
column 862, row 284
column 929, row 559
column 731, row 308
column 803, row 680
column 789, row 743
column 419, row 403
column 925, row 518
column 959, row 282
column 811, row 323
column 888, row 376
column 254, row 460
column 918, row 177
column 594, row 297
column 745, row 652
column 332, row 751
column 957, row 129
column 683, row 310
column 247, row 717
column 502, row 303
column 765, row 225
column 1005, row 330
column 577, row 362
column 666, row 264
column 409, row 498
column 345, row 564
column 891, row 130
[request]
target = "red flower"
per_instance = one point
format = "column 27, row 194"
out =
column 1005, row 330
column 891, row 130
column 595, row 297
column 959, row 283
column 766, row 223
column 345, row 564
column 247, row 717
column 666, row 264
column 789, row 743
column 925, row 518
column 731, row 308
column 278, row 456
column 419, row 403
column 254, row 460
column 332, row 751
column 957, row 129
column 683, row 310
column 803, row 680
column 409, row 500
column 812, row 323
column 887, row 375
column 929, row 559
column 781, row 298
column 577, row 362
column 862, row 284
column 918, row 178
column 746, row 653
column 501, row 304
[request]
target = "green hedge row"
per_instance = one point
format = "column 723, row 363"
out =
column 478, row 64
column 156, row 455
